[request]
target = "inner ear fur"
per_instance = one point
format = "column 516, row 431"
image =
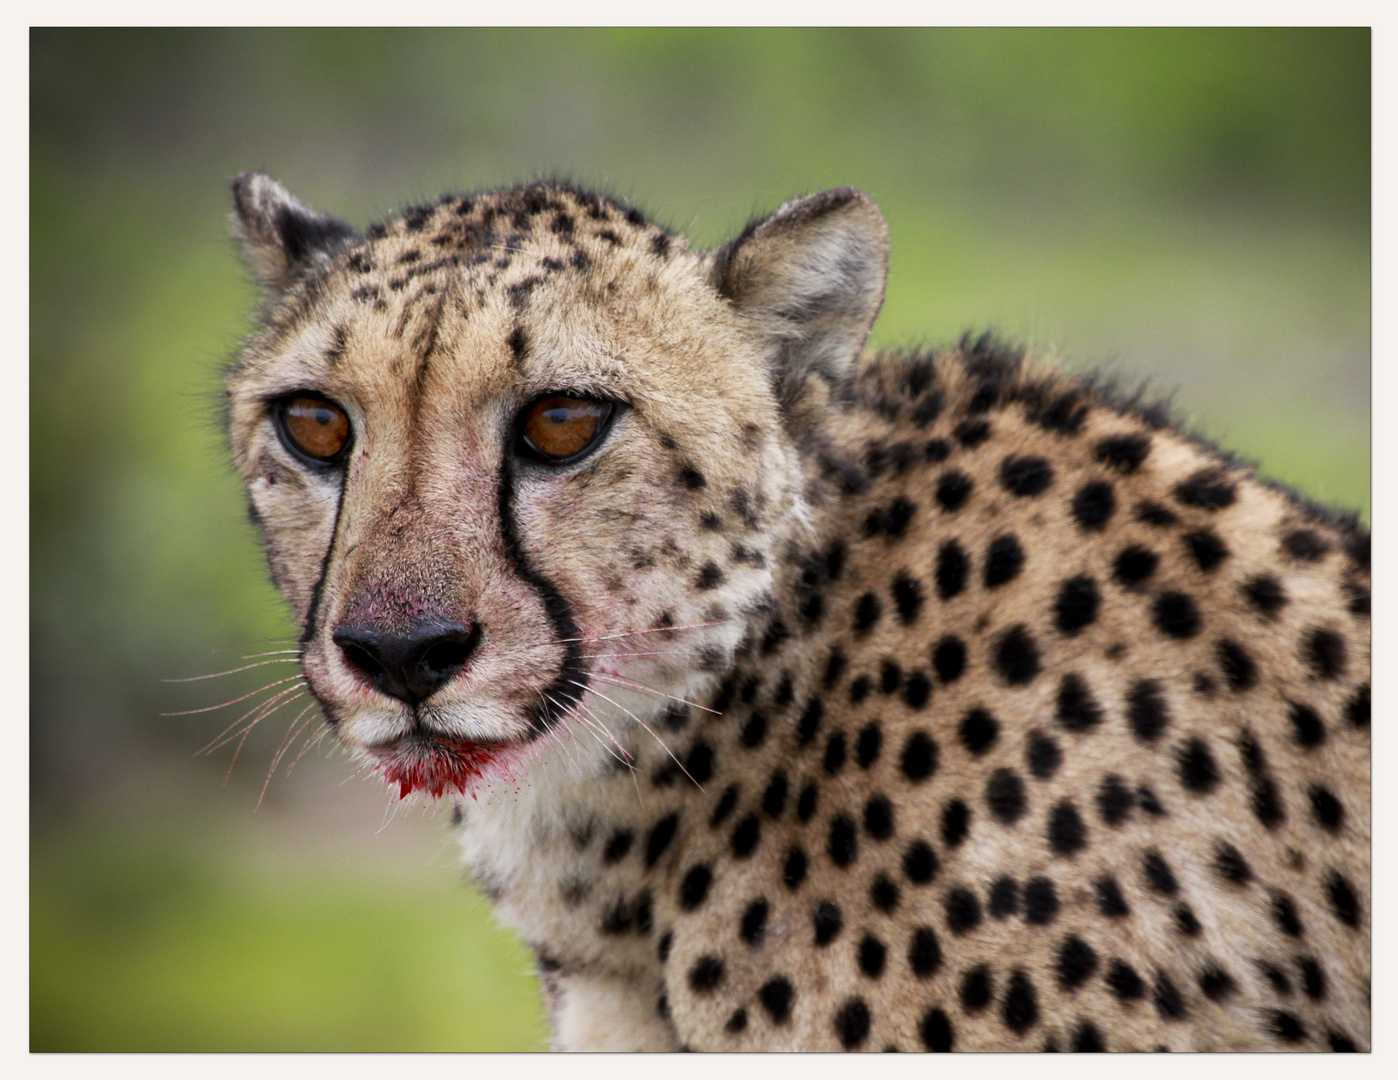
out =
column 811, row 277
column 281, row 235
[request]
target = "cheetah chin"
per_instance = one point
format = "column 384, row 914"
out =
column 808, row 696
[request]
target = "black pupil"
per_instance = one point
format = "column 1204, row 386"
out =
column 324, row 417
column 557, row 415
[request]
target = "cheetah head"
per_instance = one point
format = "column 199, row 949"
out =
column 524, row 462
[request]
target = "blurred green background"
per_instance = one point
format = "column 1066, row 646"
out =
column 1191, row 206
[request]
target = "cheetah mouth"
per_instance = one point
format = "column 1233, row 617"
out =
column 437, row 765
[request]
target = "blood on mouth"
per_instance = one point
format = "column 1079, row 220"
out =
column 435, row 765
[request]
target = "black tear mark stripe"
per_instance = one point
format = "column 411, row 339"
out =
column 568, row 688
column 313, row 613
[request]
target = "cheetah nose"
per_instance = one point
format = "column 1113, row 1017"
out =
column 412, row 666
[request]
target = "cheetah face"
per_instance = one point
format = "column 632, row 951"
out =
column 523, row 462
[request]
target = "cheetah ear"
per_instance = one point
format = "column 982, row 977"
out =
column 811, row 277
column 282, row 235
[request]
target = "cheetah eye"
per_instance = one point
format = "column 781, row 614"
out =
column 313, row 428
column 558, row 428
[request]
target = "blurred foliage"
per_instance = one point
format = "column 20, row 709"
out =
column 1189, row 205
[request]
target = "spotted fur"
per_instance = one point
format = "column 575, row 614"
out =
column 1020, row 718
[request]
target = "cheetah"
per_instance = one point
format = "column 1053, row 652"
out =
column 788, row 695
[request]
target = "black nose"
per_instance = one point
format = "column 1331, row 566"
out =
column 411, row 666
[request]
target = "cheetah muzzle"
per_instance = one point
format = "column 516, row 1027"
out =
column 793, row 696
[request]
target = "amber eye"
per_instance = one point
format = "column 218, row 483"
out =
column 314, row 427
column 557, row 428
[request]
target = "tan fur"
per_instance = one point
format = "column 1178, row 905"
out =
column 767, row 498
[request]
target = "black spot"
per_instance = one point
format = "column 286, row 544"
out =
column 953, row 489
column 1341, row 1043
column 971, row 433
column 1216, row 984
column 710, row 577
column 878, row 817
column 1168, row 1002
column 1026, row 476
column 1176, row 615
column 1077, row 604
column 979, row 731
column 1109, row 899
column 917, row 690
column 827, row 921
column 1124, row 982
column 953, row 566
column 834, row 759
column 896, row 518
column 1040, row 901
column 662, row 947
column 1134, row 565
column 1115, row 800
column 919, row 760
column 772, row 640
column 745, row 836
column 843, row 844
column 809, row 723
column 907, row 597
column 812, row 608
column 1230, row 865
column 1281, row 982
column 977, row 988
column 1076, row 708
column 1155, row 515
column 617, row 846
column 1004, row 898
column 949, row 658
column 1004, row 559
column 890, row 676
column 1094, row 505
column 1186, row 922
column 1312, row 978
column 806, row 802
column 1208, row 489
column 724, row 807
column 660, row 837
column 1088, row 1040
column 883, row 893
column 924, row 952
column 617, row 919
column 1343, row 902
column 1042, row 755
column 1304, row 545
column 866, row 613
column 1067, row 834
column 937, row 451
column 694, row 888
column 1020, row 1009
column 1285, row 916
column 754, row 730
column 1159, row 875
column 935, row 1030
column 1077, row 961
column 1324, row 651
column 774, row 798
column 1329, row 814
column 1357, row 708
column 1197, row 769
column 956, row 822
column 737, row 1023
column 920, row 862
column 754, row 922
column 1266, row 802
column 963, row 910
column 868, row 745
column 519, row 343
column 1205, row 548
column 794, row 871
column 1239, row 670
column 776, row 996
column 872, row 955
column 1005, row 797
column 706, row 974
column 691, row 477
column 852, row 1023
column 1285, row 1026
column 1265, row 593
column 1306, row 725
column 1123, row 453
column 859, row 689
column 1146, row 711
column 699, row 763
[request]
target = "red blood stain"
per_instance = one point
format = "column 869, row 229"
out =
column 435, row 766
